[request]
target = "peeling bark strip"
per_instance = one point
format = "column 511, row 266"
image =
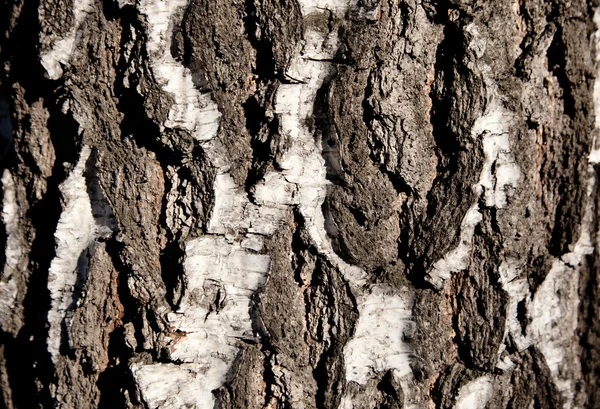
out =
column 12, row 250
column 79, row 226
column 499, row 174
column 299, row 204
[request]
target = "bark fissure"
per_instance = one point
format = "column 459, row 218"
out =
column 27, row 357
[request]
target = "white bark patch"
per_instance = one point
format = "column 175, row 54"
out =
column 594, row 157
column 11, row 218
column 213, row 317
column 553, row 311
column 60, row 55
column 517, row 289
column 338, row 7
column 499, row 176
column 379, row 343
column 223, row 268
column 553, row 314
column 222, row 276
column 275, row 190
column 233, row 213
column 498, row 179
column 171, row 386
column 475, row 394
column 193, row 111
column 76, row 231
column 303, row 163
column 457, row 259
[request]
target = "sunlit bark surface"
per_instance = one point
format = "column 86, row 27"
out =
column 299, row 204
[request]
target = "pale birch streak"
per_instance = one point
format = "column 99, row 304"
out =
column 475, row 394
column 62, row 51
column 517, row 289
column 498, row 172
column 13, row 251
column 223, row 269
column 553, row 310
column 379, row 342
column 304, row 166
column 75, row 232
column 499, row 175
column 11, row 217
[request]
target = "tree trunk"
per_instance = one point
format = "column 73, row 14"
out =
column 299, row 204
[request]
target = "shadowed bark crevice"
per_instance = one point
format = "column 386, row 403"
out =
column 30, row 349
column 589, row 321
column 27, row 359
column 116, row 384
column 132, row 308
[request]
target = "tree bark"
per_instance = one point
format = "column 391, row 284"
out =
column 299, row 204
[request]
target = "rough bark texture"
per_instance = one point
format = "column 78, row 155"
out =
column 299, row 204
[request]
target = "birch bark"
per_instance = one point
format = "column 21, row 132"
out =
column 299, row 204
